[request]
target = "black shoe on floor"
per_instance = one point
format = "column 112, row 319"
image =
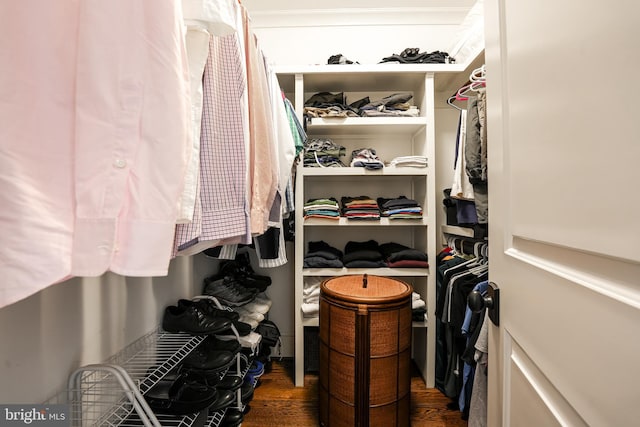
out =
column 193, row 321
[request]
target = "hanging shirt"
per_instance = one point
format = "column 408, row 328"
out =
column 222, row 210
column 263, row 179
column 203, row 19
column 94, row 131
column 461, row 188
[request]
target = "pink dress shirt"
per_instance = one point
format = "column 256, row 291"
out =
column 94, row 133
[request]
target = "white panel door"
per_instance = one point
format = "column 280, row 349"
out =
column 563, row 94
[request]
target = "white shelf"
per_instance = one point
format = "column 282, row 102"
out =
column 458, row 231
column 331, row 126
column 362, row 77
column 382, row 222
column 311, row 321
column 384, row 271
column 422, row 324
column 348, row 171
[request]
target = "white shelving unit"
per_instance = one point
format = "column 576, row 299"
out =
column 390, row 137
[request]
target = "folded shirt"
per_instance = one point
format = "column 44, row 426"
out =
column 323, row 249
column 409, row 161
column 320, row 262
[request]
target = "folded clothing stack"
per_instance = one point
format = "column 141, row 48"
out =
column 322, row 255
column 322, row 208
column 418, row 308
column 366, row 158
column 401, row 256
column 412, row 55
column 323, row 152
column 361, row 208
column 311, row 297
column 363, row 255
column 409, row 161
column 400, row 208
column 395, row 105
column 327, row 104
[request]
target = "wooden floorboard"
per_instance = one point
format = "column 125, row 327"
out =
column 278, row 403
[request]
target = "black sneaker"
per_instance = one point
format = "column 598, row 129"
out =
column 192, row 321
column 228, row 291
column 245, row 276
column 208, row 307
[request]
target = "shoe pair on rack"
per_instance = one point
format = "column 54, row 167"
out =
column 228, row 290
column 210, row 308
column 209, row 359
column 240, row 269
column 185, row 393
column 195, row 318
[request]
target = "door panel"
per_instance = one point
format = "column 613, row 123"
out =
column 545, row 405
column 564, row 205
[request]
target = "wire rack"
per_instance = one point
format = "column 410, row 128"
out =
column 112, row 393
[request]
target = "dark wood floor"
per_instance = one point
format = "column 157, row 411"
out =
column 277, row 402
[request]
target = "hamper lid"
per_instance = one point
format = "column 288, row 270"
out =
column 366, row 288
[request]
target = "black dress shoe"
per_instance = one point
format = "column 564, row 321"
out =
column 209, row 362
column 180, row 396
column 247, row 392
column 232, row 418
column 211, row 343
column 230, row 382
column 224, row 399
column 193, row 321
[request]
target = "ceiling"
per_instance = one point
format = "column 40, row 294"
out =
column 272, row 5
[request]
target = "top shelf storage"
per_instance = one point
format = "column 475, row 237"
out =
column 400, row 77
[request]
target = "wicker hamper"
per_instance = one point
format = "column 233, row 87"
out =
column 365, row 352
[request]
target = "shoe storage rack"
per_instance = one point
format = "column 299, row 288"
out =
column 112, row 393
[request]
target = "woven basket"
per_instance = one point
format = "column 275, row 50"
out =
column 365, row 351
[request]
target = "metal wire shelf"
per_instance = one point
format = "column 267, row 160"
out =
column 112, row 393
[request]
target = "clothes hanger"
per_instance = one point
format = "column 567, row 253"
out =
column 478, row 74
column 450, row 102
column 476, row 86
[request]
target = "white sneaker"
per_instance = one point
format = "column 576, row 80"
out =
column 258, row 306
column 244, row 313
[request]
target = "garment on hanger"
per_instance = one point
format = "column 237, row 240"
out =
column 92, row 171
column 202, row 18
column 457, row 274
column 221, row 210
column 475, row 156
column 461, row 188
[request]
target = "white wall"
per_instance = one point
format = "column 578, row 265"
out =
column 78, row 322
column 300, row 33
